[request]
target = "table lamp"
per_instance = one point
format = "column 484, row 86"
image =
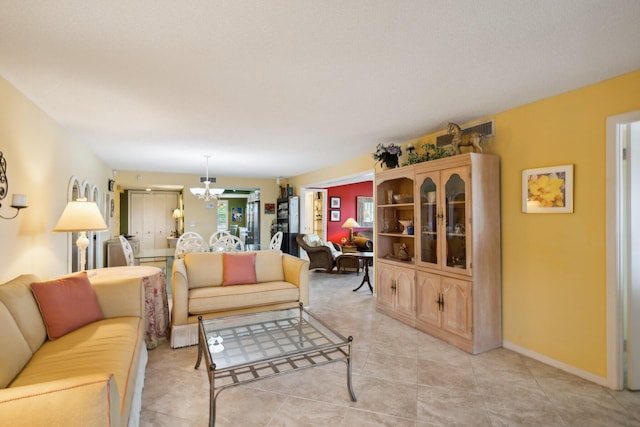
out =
column 350, row 223
column 81, row 216
column 177, row 214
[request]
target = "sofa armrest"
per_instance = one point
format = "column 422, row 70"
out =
column 120, row 297
column 179, row 293
column 296, row 271
column 89, row 400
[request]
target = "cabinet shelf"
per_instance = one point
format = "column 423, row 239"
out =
column 396, row 235
column 398, row 260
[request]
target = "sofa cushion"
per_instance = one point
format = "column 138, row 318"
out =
column 17, row 296
column 109, row 346
column 313, row 240
column 269, row 266
column 222, row 298
column 15, row 352
column 363, row 244
column 239, row 269
column 334, row 252
column 67, row 304
column 204, row 269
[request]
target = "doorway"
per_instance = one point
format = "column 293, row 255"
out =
column 623, row 251
column 314, row 218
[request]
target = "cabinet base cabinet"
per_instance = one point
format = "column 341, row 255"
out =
column 396, row 292
column 445, row 309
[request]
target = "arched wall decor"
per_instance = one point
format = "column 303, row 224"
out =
column 94, row 196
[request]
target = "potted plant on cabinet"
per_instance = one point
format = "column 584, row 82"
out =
column 387, row 155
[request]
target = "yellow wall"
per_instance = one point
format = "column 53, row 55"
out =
column 553, row 265
column 41, row 158
column 554, row 287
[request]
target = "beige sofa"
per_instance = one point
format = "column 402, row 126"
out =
column 282, row 281
column 92, row 376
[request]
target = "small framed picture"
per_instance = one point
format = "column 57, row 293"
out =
column 335, row 202
column 335, row 216
column 548, row 190
column 269, row 208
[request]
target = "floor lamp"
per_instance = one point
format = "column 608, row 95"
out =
column 81, row 216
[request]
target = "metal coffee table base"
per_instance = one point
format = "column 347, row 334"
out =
column 301, row 341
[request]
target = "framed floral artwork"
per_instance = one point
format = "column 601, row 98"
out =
column 548, row 190
column 365, row 211
column 335, row 216
column 335, row 202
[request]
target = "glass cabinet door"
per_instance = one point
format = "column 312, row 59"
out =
column 455, row 218
column 429, row 244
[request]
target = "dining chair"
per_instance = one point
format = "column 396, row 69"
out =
column 228, row 243
column 243, row 232
column 128, row 251
column 276, row 241
column 190, row 242
column 216, row 236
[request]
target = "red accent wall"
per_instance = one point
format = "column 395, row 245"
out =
column 348, row 207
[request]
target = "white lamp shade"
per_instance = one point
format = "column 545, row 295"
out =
column 81, row 215
column 350, row 223
column 177, row 213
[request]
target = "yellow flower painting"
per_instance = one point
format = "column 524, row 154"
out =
column 547, row 190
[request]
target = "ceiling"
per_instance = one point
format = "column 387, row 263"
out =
column 282, row 87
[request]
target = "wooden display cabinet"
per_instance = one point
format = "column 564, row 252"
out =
column 454, row 254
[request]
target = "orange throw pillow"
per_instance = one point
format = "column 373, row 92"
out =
column 238, row 269
column 67, row 304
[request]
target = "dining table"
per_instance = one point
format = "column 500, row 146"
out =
column 155, row 254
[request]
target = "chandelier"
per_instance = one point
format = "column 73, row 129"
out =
column 207, row 194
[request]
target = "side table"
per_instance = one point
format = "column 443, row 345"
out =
column 367, row 259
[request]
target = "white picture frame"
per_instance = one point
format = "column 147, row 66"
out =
column 548, row 190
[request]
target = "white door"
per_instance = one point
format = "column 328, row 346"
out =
column 623, row 250
column 632, row 200
column 307, row 224
column 150, row 217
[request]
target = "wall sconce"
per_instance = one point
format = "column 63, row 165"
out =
column 18, row 201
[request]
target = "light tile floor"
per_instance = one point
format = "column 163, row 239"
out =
column 402, row 377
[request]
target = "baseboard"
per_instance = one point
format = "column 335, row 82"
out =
column 557, row 364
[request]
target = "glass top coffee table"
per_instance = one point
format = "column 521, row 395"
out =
column 250, row 347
